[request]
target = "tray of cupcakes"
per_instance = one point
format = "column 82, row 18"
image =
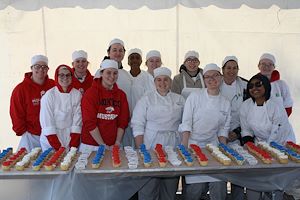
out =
column 166, row 160
column 36, row 162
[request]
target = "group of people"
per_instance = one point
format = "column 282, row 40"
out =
column 116, row 107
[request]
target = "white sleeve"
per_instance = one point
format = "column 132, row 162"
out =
column 245, row 129
column 138, row 120
column 224, row 130
column 47, row 120
column 77, row 117
column 279, row 120
column 286, row 95
column 187, row 116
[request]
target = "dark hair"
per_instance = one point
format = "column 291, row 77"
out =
column 266, row 84
column 228, row 61
column 108, row 50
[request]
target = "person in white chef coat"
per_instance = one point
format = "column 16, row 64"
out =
column 60, row 114
column 153, row 61
column 155, row 120
column 138, row 76
column 263, row 119
column 234, row 88
column 206, row 119
column 190, row 78
column 280, row 90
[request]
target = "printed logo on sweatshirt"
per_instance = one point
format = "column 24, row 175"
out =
column 109, row 109
column 35, row 102
column 107, row 116
column 110, row 102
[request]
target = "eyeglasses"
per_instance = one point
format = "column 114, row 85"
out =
column 37, row 67
column 62, row 76
column 256, row 85
column 192, row 60
column 266, row 64
column 81, row 61
column 215, row 76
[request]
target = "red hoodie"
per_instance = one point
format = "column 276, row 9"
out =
column 106, row 109
column 86, row 84
column 71, row 86
column 25, row 105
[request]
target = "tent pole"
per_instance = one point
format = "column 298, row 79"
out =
column 44, row 32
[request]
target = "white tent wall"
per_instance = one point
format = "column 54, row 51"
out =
column 214, row 29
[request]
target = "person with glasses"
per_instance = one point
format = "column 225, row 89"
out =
column 206, row 120
column 60, row 114
column 25, row 102
column 82, row 78
column 262, row 119
column 105, row 110
column 280, row 90
column 155, row 120
column 190, row 78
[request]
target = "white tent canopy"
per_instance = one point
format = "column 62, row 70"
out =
column 213, row 28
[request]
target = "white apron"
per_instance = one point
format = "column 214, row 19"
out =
column 164, row 120
column 29, row 141
column 207, row 114
column 187, row 91
column 87, row 148
column 276, row 93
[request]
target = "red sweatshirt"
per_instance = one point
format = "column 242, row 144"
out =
column 86, row 84
column 106, row 109
column 25, row 105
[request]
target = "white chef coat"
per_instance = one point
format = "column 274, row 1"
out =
column 234, row 93
column 149, row 85
column 138, row 88
column 124, row 82
column 157, row 118
column 206, row 117
column 267, row 123
column 281, row 93
column 60, row 114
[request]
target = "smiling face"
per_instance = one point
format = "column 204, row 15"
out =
column 256, row 89
column 192, row 64
column 116, row 52
column 109, row 77
column 39, row 71
column 153, row 63
column 64, row 78
column 266, row 67
column 212, row 79
column 134, row 60
column 230, row 71
column 162, row 84
column 80, row 65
